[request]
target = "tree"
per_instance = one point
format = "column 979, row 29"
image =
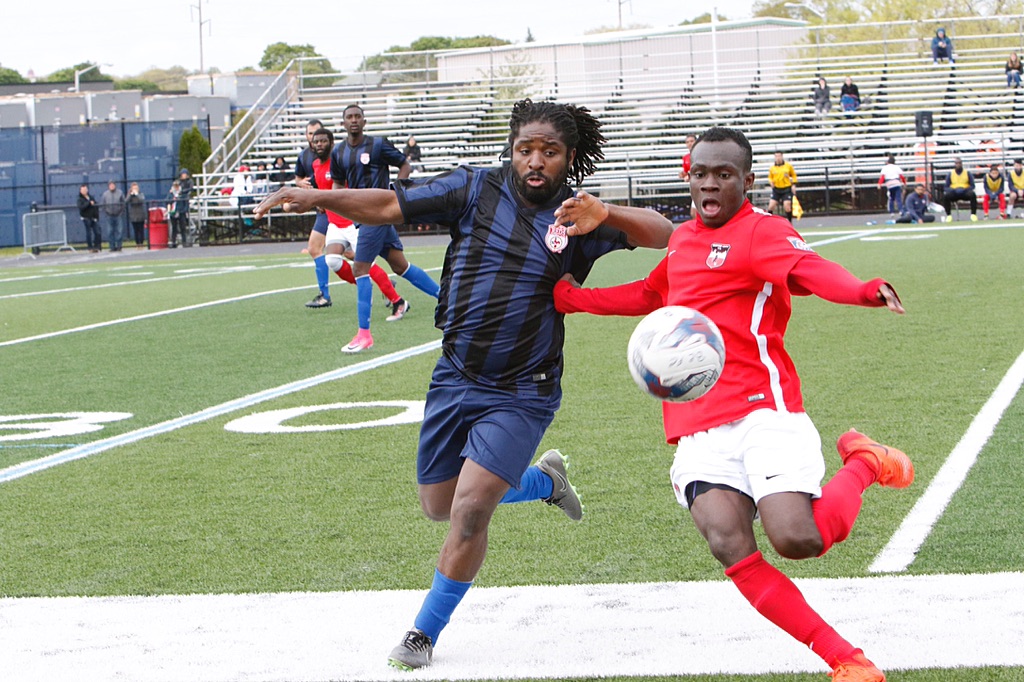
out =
column 702, row 19
column 193, row 149
column 407, row 68
column 136, row 84
column 278, row 55
column 11, row 77
column 67, row 75
column 170, row 79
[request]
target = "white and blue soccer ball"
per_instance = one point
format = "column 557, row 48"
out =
column 676, row 354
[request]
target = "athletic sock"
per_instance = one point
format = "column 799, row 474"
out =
column 345, row 272
column 364, row 300
column 534, row 485
column 439, row 604
column 323, row 274
column 836, row 510
column 776, row 598
column 383, row 282
column 421, row 280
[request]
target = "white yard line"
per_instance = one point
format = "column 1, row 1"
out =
column 545, row 632
column 901, row 549
column 81, row 451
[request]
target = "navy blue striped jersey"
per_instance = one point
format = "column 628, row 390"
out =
column 366, row 164
column 496, row 306
column 304, row 166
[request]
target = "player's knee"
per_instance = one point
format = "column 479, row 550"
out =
column 798, row 545
column 335, row 261
column 728, row 548
column 469, row 517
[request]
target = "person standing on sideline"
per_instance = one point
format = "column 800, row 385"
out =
column 342, row 236
column 747, row 449
column 137, row 214
column 684, row 174
column 1016, row 178
column 112, row 206
column 90, row 214
column 180, row 221
column 305, row 178
column 915, row 210
column 959, row 186
column 782, row 178
column 361, row 162
column 497, row 384
column 893, row 180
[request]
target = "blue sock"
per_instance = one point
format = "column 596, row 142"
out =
column 534, row 485
column 364, row 298
column 323, row 275
column 444, row 595
column 421, row 280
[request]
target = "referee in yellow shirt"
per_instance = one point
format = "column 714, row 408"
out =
column 782, row 178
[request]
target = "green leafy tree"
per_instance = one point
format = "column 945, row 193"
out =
column 67, row 75
column 193, row 149
column 278, row 55
column 136, row 84
column 407, row 68
column 171, row 79
column 11, row 77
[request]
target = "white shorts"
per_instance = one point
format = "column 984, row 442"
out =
column 763, row 453
column 343, row 235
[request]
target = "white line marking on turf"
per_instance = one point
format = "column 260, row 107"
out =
column 637, row 629
column 147, row 316
column 25, row 468
column 903, row 546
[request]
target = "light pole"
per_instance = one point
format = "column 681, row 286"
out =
column 821, row 14
column 87, row 69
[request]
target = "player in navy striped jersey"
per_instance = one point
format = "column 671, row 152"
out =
column 496, row 387
column 361, row 162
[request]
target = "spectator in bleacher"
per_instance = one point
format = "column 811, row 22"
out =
column 112, row 207
column 782, row 177
column 994, row 185
column 137, row 213
column 849, row 96
column 822, row 96
column 261, row 181
column 942, row 47
column 413, row 154
column 959, row 186
column 892, row 178
column 1013, row 69
column 304, row 178
column 90, row 214
column 1016, row 178
column 280, row 175
column 691, row 140
column 916, row 208
column 241, row 187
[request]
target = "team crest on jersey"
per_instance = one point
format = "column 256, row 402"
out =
column 364, row 158
column 799, row 244
column 716, row 258
column 556, row 238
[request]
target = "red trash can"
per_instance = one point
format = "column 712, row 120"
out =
column 158, row 228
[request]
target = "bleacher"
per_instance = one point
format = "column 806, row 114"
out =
column 837, row 157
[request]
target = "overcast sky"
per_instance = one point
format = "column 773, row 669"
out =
column 134, row 35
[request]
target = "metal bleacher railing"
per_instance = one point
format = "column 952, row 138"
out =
column 652, row 105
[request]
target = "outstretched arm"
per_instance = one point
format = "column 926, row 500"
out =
column 367, row 206
column 644, row 227
column 632, row 299
column 833, row 282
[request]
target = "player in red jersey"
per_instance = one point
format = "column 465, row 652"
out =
column 747, row 448
column 342, row 235
column 684, row 174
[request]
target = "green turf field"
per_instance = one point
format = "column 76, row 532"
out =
column 299, row 504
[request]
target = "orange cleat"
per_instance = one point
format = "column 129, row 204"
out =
column 860, row 669
column 892, row 467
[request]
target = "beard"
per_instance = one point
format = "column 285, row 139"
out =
column 541, row 195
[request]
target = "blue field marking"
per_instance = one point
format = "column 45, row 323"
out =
column 96, row 447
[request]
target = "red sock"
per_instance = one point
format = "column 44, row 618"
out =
column 837, row 508
column 776, row 598
column 345, row 272
column 383, row 282
column 984, row 204
column 1002, row 204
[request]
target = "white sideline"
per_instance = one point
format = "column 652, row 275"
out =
column 903, row 546
column 546, row 632
column 88, row 449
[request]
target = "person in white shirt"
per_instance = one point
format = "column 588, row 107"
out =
column 892, row 178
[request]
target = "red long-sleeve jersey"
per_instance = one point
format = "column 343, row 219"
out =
column 742, row 275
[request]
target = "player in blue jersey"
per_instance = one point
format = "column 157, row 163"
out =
column 497, row 385
column 361, row 162
column 304, row 177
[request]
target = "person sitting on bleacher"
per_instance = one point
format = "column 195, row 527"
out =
column 915, row 208
column 994, row 185
column 942, row 47
column 959, row 187
column 849, row 96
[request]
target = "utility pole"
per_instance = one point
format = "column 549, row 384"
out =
column 199, row 11
column 620, row 3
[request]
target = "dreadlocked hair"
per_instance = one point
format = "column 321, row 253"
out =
column 576, row 125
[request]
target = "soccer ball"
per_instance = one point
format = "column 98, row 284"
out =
column 676, row 354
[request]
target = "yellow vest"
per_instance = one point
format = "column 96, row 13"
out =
column 782, row 176
column 1017, row 180
column 961, row 180
column 994, row 185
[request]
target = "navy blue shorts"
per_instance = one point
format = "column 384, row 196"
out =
column 376, row 240
column 321, row 224
column 498, row 430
